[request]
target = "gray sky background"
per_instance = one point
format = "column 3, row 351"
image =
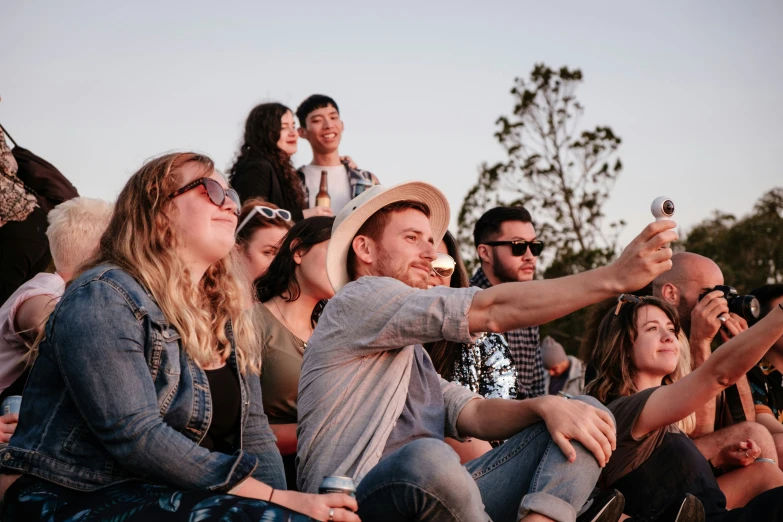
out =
column 693, row 88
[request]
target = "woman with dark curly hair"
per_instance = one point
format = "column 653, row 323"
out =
column 292, row 293
column 263, row 167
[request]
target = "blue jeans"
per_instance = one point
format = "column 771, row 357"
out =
column 424, row 480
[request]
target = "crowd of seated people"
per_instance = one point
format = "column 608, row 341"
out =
column 210, row 348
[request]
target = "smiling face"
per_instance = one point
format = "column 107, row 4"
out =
column 323, row 129
column 288, row 135
column 406, row 249
column 656, row 349
column 205, row 230
column 261, row 249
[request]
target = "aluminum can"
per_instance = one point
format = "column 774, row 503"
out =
column 12, row 404
column 338, row 484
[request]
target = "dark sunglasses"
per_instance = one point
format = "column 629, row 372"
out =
column 443, row 265
column 628, row 298
column 216, row 193
column 518, row 248
column 269, row 213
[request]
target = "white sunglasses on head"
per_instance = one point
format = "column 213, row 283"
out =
column 269, row 213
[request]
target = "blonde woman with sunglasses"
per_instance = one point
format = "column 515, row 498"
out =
column 144, row 401
column 485, row 366
column 262, row 225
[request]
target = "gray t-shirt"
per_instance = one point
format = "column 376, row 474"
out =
column 424, row 414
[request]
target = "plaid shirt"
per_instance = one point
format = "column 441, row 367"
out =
column 525, row 352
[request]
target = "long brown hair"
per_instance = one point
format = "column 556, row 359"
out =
column 141, row 240
column 445, row 354
column 613, row 353
column 262, row 132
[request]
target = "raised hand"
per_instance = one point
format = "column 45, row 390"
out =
column 645, row 257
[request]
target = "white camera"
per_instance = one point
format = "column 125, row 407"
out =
column 662, row 208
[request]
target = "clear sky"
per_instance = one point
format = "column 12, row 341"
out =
column 693, row 88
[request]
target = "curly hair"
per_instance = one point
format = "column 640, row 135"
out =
column 141, row 240
column 262, row 132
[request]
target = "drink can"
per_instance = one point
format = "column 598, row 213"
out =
column 12, row 404
column 338, row 484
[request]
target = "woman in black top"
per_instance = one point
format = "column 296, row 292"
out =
column 263, row 168
column 643, row 375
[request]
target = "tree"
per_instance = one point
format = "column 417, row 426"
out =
column 562, row 175
column 749, row 251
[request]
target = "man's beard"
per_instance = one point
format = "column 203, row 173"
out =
column 503, row 273
column 385, row 266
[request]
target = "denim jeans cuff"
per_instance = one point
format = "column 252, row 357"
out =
column 550, row 506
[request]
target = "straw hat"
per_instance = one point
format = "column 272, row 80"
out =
column 351, row 218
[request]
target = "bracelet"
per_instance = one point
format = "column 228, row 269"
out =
column 716, row 471
column 270, row 495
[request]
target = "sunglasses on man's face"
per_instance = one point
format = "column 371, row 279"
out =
column 269, row 213
column 518, row 248
column 443, row 265
column 217, row 194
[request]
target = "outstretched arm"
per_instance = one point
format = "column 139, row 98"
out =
column 730, row 362
column 514, row 305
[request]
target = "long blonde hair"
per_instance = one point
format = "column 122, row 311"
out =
column 612, row 354
column 141, row 240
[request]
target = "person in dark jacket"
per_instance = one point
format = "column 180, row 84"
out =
column 263, row 167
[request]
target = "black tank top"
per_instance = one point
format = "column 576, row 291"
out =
column 226, row 409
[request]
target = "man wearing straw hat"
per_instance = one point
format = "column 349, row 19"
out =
column 372, row 407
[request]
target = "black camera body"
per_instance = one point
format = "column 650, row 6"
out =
column 745, row 306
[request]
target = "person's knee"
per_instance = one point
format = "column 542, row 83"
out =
column 759, row 434
column 432, row 465
column 592, row 401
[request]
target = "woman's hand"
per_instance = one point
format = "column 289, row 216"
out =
column 342, row 506
column 737, row 455
column 8, row 426
column 317, row 211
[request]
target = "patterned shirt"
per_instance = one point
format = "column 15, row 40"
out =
column 525, row 347
column 766, row 386
column 485, row 367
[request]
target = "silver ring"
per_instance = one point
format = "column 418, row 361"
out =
column 331, row 515
column 746, row 454
column 722, row 318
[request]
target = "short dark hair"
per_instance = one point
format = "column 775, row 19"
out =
column 313, row 102
column 488, row 226
column 375, row 224
column 766, row 295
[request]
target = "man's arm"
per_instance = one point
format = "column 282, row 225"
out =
column 566, row 420
column 509, row 306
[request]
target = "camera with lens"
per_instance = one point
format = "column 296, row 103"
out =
column 745, row 306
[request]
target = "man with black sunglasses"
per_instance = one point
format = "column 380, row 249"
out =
column 508, row 250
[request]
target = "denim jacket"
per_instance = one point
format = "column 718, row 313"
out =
column 113, row 396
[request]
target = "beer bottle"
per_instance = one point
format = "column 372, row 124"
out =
column 322, row 199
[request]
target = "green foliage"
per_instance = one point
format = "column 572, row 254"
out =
column 562, row 175
column 749, row 251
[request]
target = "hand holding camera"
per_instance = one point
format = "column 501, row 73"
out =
column 722, row 309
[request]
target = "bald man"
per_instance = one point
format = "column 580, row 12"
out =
column 690, row 276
